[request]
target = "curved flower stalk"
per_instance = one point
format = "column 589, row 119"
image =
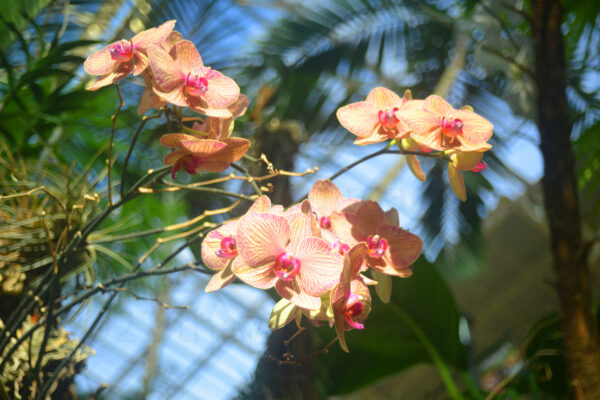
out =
column 376, row 119
column 183, row 80
column 119, row 59
column 196, row 154
column 281, row 252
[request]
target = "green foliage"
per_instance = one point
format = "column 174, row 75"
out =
column 389, row 344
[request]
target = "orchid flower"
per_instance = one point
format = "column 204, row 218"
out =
column 325, row 198
column 196, row 154
column 149, row 98
column 350, row 299
column 375, row 120
column 219, row 248
column 439, row 126
column 390, row 249
column 119, row 59
column 281, row 252
column 221, row 128
column 183, row 80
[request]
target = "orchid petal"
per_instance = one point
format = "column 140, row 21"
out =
column 152, row 37
column 392, row 217
column 186, row 56
column 175, row 139
column 262, row 277
column 202, row 147
column 300, row 228
column 220, row 279
column 324, row 197
column 476, row 129
column 212, row 244
column 437, row 105
column 100, row 62
column 384, row 285
column 457, row 183
column 291, row 290
column 360, row 118
column 384, row 98
column 320, row 266
column 283, row 313
column 415, row 167
column 404, row 247
column 222, row 91
column 466, row 160
column 262, row 237
column 169, row 78
column 174, row 156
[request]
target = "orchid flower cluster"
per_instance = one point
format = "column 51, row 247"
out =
column 422, row 125
column 316, row 254
column 174, row 73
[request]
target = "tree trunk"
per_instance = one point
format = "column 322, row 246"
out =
column 582, row 351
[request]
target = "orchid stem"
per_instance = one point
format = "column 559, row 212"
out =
column 133, row 143
column 250, row 178
column 112, row 139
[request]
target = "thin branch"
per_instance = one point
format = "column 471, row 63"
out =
column 250, row 178
column 499, row 54
column 130, row 151
column 209, row 190
column 111, row 142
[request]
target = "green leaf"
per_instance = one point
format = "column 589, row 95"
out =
column 388, row 345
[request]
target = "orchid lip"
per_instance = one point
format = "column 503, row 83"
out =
column 196, row 85
column 325, row 223
column 286, row 266
column 376, row 246
column 387, row 118
column 228, row 248
column 122, row 51
column 354, row 307
column 451, row 126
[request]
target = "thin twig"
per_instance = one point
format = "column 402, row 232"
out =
column 112, row 139
column 130, row 151
column 250, row 178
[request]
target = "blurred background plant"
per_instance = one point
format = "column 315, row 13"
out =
column 298, row 62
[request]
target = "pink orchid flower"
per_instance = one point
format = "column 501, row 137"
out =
column 350, row 299
column 325, row 198
column 281, row 252
column 375, row 120
column 119, row 59
column 149, row 98
column 195, row 154
column 219, row 248
column 439, row 126
column 221, row 128
column 183, row 80
column 390, row 249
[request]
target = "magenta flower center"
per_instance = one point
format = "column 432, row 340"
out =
column 451, row 126
column 388, row 118
column 196, row 85
column 340, row 247
column 481, row 165
column 228, row 247
column 325, row 223
column 122, row 51
column 354, row 307
column 286, row 267
column 376, row 246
